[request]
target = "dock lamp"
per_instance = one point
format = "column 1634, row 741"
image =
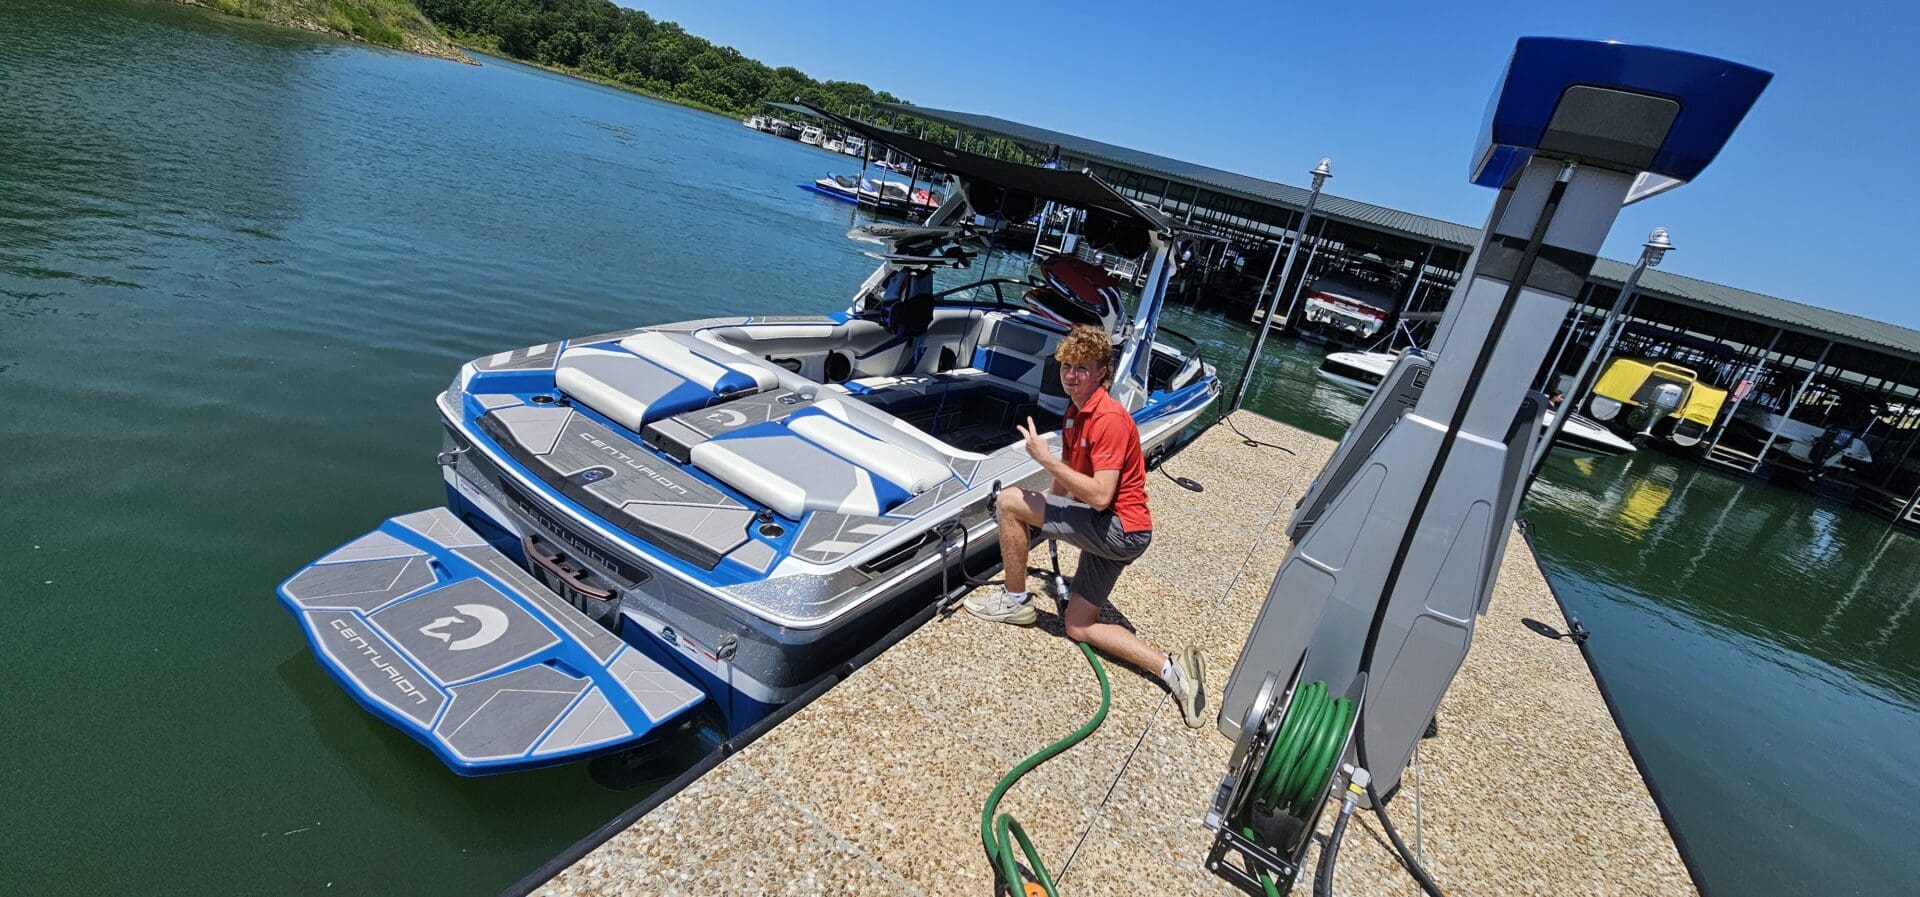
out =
column 1320, row 174
column 1651, row 252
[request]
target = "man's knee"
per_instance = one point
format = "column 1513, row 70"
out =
column 1079, row 618
column 1014, row 505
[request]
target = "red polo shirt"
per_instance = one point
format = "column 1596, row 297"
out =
column 1101, row 436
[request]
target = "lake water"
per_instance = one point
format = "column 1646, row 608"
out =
column 236, row 263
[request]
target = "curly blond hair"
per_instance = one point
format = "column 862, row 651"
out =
column 1087, row 344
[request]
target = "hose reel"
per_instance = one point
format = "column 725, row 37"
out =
column 1286, row 762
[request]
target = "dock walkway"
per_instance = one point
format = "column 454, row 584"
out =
column 876, row 787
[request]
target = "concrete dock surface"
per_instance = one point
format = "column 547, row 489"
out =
column 876, row 788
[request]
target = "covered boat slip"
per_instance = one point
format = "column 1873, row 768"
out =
column 1857, row 374
column 876, row 787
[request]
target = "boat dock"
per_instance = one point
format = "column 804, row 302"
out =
column 876, row 787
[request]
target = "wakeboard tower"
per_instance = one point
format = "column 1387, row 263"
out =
column 717, row 516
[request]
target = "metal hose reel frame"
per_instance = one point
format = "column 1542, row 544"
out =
column 1279, row 864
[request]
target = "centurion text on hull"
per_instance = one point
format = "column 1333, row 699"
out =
column 723, row 511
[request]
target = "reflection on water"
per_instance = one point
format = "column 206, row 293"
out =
column 1817, row 578
column 1754, row 639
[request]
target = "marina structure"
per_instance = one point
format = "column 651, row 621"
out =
column 1790, row 368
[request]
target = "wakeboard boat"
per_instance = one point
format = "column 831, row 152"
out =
column 843, row 187
column 715, row 516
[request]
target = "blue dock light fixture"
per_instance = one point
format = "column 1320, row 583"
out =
column 1398, row 540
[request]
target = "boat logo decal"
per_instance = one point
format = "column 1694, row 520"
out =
column 726, row 417
column 493, row 625
column 635, row 463
column 393, row 673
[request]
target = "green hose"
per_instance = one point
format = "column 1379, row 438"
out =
column 994, row 834
column 1304, row 754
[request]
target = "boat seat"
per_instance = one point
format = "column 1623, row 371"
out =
column 656, row 374
column 772, row 465
column 900, row 464
column 833, row 456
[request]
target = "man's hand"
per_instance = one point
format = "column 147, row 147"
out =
column 1036, row 444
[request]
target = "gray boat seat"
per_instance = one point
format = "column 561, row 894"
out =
column 656, row 374
column 833, row 456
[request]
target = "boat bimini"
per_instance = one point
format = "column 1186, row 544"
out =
column 725, row 512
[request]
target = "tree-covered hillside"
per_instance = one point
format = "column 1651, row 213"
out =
column 390, row 23
column 628, row 46
column 625, row 46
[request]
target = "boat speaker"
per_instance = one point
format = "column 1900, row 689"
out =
column 839, row 367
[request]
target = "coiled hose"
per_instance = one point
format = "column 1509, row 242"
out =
column 998, row 836
column 1298, row 766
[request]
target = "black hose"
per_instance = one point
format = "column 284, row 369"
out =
column 1323, row 873
column 1522, row 272
column 1246, row 440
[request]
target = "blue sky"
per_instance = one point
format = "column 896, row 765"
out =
column 1814, row 199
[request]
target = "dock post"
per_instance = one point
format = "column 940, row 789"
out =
column 1320, row 174
column 1720, row 428
column 1651, row 252
column 1788, row 414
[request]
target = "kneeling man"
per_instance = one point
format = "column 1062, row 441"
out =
column 1098, row 503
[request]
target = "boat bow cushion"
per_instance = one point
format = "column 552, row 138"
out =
column 654, row 375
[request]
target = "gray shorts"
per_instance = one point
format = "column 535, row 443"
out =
column 1105, row 547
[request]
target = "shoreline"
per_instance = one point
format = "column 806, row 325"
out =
column 448, row 49
column 490, row 53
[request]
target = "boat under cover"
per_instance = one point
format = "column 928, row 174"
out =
column 1365, row 371
column 718, row 512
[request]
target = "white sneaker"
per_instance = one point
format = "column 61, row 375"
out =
column 1189, row 685
column 1000, row 607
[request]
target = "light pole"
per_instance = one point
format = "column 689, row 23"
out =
column 1651, row 252
column 1320, row 174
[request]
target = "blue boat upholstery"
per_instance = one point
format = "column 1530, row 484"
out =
column 1014, row 351
column 656, row 374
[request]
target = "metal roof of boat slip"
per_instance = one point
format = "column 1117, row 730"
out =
column 1728, row 299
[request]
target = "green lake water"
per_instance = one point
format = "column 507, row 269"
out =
column 236, row 263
